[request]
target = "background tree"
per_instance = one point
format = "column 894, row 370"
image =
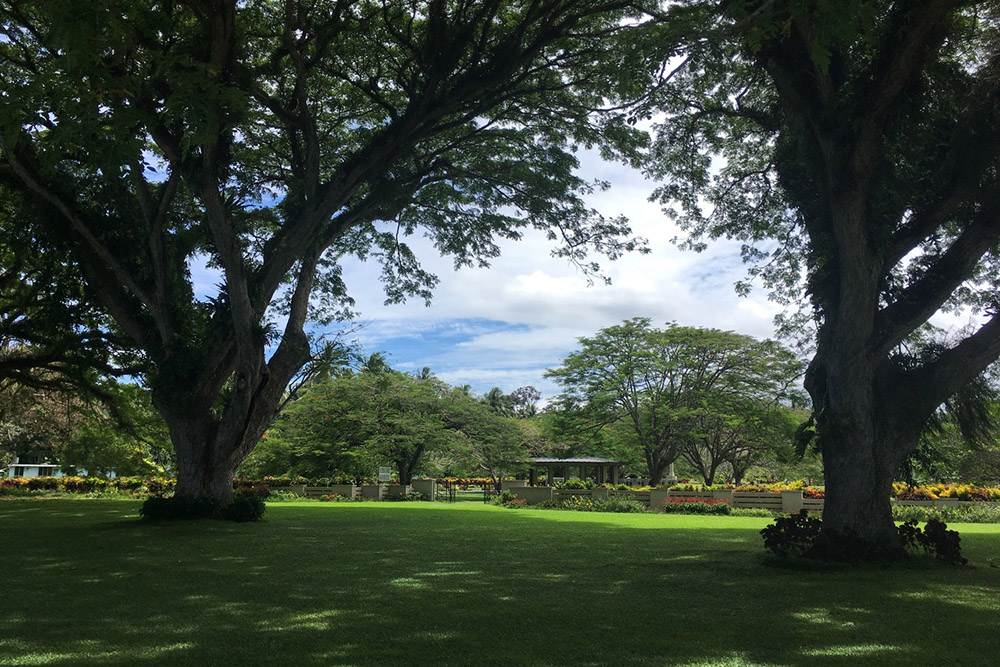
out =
column 667, row 385
column 351, row 425
column 732, row 433
column 573, row 431
column 102, row 428
column 491, row 443
column 125, row 436
column 862, row 136
column 525, row 401
column 270, row 138
column 960, row 441
column 348, row 426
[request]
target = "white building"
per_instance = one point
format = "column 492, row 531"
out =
column 18, row 469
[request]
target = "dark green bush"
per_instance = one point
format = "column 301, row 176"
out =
column 935, row 538
column 507, row 499
column 161, row 508
column 791, row 535
column 247, row 506
column 618, row 505
column 756, row 512
column 917, row 513
column 800, row 535
column 577, row 484
column 682, row 506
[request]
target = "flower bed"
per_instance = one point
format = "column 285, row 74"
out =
column 72, row 484
column 900, row 491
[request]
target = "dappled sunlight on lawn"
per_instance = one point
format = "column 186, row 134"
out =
column 856, row 650
column 417, row 583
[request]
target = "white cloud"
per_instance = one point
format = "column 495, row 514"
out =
column 505, row 324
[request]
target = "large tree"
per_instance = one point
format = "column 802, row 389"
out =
column 854, row 144
column 669, row 386
column 349, row 426
column 266, row 139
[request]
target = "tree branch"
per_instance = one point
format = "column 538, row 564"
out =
column 925, row 296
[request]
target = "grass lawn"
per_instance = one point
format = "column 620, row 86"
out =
column 87, row 583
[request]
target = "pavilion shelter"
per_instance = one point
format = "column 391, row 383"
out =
column 602, row 471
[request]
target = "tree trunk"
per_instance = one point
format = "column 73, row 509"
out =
column 211, row 443
column 858, row 492
column 862, row 446
column 205, row 465
column 402, row 470
column 197, row 481
column 656, row 468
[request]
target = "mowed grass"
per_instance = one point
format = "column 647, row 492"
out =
column 87, row 583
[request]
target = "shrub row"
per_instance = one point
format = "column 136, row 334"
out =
column 900, row 491
column 136, row 485
column 154, row 486
column 616, row 504
column 931, row 491
column 962, row 514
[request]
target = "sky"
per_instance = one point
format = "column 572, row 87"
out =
column 505, row 325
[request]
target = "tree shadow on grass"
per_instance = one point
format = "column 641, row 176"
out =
column 371, row 585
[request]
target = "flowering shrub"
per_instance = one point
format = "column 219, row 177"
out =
column 405, row 497
column 685, row 505
column 336, row 498
column 137, row 486
column 508, row 499
column 964, row 492
column 900, row 491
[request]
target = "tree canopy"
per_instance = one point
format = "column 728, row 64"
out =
column 346, row 427
column 853, row 144
column 703, row 393
column 267, row 140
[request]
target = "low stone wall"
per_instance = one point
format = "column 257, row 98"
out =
column 428, row 487
column 534, row 494
column 345, row 490
column 397, row 490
